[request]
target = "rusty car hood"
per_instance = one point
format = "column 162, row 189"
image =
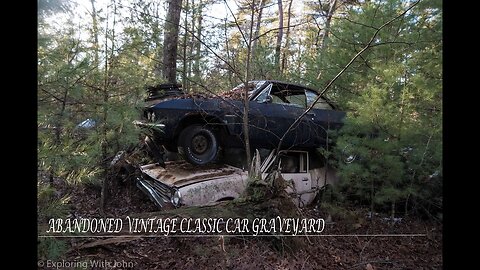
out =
column 182, row 173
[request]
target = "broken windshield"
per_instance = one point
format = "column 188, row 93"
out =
column 253, row 86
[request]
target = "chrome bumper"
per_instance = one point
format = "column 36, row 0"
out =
column 148, row 125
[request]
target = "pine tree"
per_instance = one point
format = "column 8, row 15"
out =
column 394, row 95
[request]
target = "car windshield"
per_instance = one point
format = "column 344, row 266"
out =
column 254, row 85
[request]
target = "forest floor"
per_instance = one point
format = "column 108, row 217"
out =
column 341, row 249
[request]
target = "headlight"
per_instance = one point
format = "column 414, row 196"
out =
column 348, row 155
column 350, row 159
column 176, row 198
column 151, row 116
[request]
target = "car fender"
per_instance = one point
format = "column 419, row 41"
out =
column 213, row 190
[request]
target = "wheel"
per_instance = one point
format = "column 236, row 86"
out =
column 199, row 144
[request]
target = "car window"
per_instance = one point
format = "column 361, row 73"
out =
column 261, row 98
column 289, row 164
column 277, row 100
column 321, row 104
column 288, row 97
column 297, row 99
column 293, row 162
column 291, row 99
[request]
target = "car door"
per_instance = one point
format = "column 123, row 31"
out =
column 231, row 113
column 294, row 168
column 322, row 118
column 273, row 112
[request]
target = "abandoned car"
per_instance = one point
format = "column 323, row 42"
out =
column 199, row 126
column 183, row 184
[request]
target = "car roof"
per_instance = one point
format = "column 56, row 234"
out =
column 290, row 84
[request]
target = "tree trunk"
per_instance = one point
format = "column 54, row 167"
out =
column 287, row 37
column 96, row 47
column 257, row 27
column 246, row 108
column 185, row 44
column 328, row 21
column 104, row 126
column 326, row 32
column 278, row 45
column 198, row 45
column 58, row 131
column 192, row 42
column 170, row 41
column 104, row 129
column 231, row 83
column 393, row 210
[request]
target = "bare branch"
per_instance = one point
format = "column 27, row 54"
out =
column 236, row 22
column 275, row 29
column 391, row 42
column 52, row 95
column 193, row 35
column 358, row 23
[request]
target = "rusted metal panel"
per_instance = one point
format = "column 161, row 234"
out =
column 203, row 193
column 182, row 173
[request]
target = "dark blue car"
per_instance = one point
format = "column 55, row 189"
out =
column 200, row 126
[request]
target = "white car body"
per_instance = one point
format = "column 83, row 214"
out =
column 188, row 185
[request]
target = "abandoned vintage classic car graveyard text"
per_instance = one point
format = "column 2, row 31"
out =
column 187, row 226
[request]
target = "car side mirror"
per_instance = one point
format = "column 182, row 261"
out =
column 269, row 99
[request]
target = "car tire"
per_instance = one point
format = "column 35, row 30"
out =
column 170, row 148
column 199, row 144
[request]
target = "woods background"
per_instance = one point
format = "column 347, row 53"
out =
column 95, row 59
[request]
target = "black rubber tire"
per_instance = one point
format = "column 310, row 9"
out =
column 170, row 148
column 199, row 144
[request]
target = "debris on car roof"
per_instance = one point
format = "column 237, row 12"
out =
column 163, row 90
column 236, row 94
column 176, row 91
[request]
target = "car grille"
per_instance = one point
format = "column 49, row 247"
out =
column 158, row 192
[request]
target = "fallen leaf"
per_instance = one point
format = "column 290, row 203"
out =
column 337, row 258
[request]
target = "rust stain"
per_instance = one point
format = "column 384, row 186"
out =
column 182, row 172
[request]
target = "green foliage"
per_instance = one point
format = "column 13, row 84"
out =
column 264, row 63
column 51, row 248
column 338, row 212
column 46, row 7
column 73, row 87
column 49, row 204
column 394, row 95
column 257, row 190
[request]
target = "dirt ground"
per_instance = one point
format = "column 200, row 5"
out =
column 342, row 251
